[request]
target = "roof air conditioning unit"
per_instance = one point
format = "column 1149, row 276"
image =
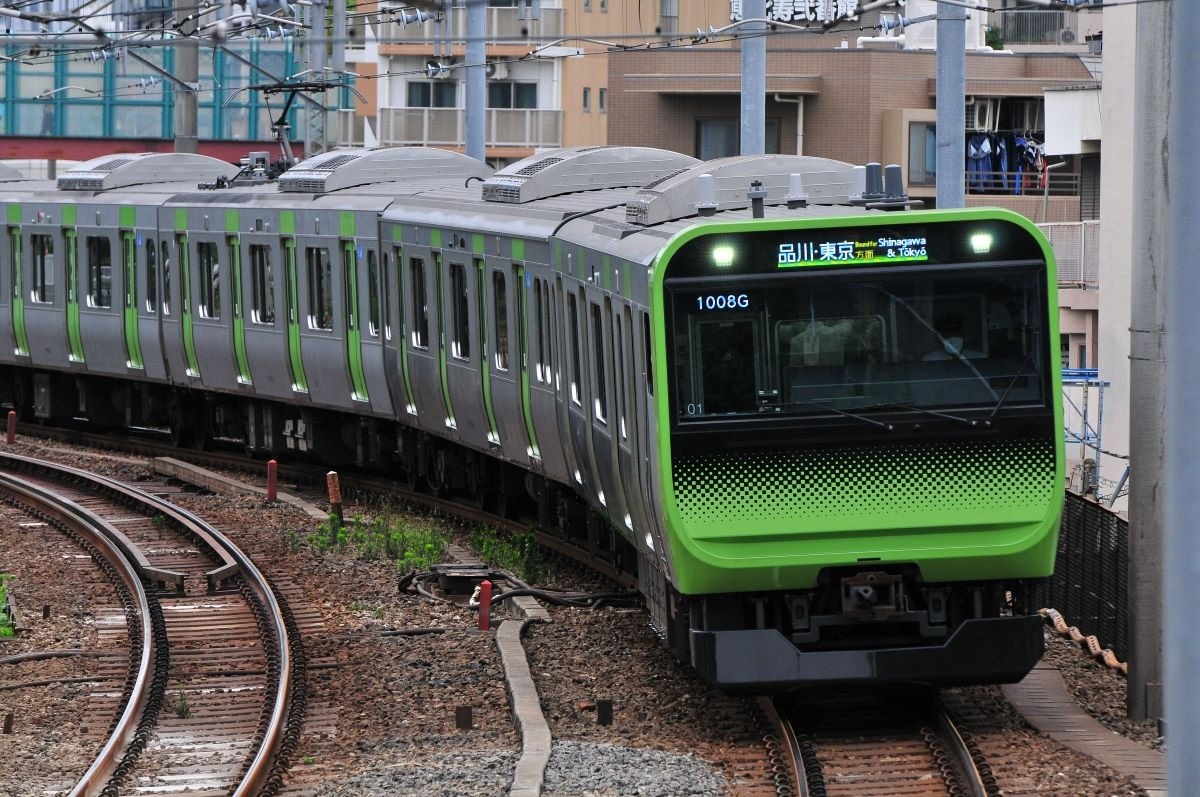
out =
column 497, row 70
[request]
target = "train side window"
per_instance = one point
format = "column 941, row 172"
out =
column 41, row 289
column 500, row 318
column 460, row 345
column 420, row 306
column 151, row 276
column 625, row 353
column 600, row 401
column 574, row 365
column 210, row 279
column 14, row 260
column 99, row 266
column 540, row 367
column 649, row 354
column 320, row 287
column 349, row 285
column 164, row 251
column 262, row 285
column 386, row 291
column 373, row 323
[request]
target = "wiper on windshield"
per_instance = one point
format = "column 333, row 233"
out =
column 856, row 416
column 909, row 405
column 1003, row 396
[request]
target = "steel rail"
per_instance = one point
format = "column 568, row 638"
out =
column 98, row 532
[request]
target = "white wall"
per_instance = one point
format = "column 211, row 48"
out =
column 1073, row 118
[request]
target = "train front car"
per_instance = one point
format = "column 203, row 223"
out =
column 861, row 446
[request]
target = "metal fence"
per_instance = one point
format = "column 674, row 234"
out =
column 1077, row 250
column 1091, row 573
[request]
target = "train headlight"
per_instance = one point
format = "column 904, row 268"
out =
column 722, row 256
column 981, row 243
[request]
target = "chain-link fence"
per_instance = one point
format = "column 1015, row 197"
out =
column 1091, row 573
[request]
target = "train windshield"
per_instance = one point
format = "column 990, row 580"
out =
column 919, row 341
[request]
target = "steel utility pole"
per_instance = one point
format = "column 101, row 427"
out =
column 754, row 80
column 316, row 42
column 476, row 80
column 187, row 72
column 1147, row 502
column 951, row 112
column 1181, row 553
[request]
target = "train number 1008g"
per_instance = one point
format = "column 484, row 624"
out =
column 722, row 301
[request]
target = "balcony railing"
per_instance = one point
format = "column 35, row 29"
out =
column 1038, row 27
column 503, row 26
column 518, row 127
column 1077, row 250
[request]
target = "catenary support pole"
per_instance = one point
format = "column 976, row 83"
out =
column 187, row 70
column 1147, row 341
column 754, row 80
column 476, row 80
column 1181, row 553
column 951, row 111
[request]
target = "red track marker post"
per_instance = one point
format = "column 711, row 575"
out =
column 272, row 480
column 12, row 427
column 334, row 488
column 485, row 605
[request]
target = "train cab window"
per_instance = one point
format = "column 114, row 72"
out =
column 151, row 276
column 573, row 332
column 165, row 270
column 500, row 318
column 460, row 344
column 262, row 285
column 373, row 321
column 41, row 289
column 320, row 287
column 600, row 400
column 210, row 279
column 420, row 306
column 99, row 271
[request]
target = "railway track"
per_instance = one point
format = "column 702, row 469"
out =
column 861, row 743
column 200, row 685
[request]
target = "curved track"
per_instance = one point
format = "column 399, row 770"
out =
column 209, row 696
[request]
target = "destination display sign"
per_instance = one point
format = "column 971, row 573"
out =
column 854, row 251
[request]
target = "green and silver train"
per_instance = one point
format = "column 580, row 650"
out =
column 824, row 431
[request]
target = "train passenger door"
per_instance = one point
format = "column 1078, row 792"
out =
column 98, row 312
column 291, row 291
column 131, row 317
column 265, row 320
column 500, row 363
column 371, row 329
column 464, row 354
column 323, row 320
column 625, row 464
column 603, row 405
column 424, row 366
column 545, row 354
column 45, row 284
column 217, row 347
column 575, row 393
column 395, row 353
column 14, row 342
column 150, row 301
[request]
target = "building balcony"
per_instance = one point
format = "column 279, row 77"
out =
column 440, row 127
column 503, row 27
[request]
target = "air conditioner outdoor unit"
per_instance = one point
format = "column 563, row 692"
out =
column 1066, row 36
column 497, row 70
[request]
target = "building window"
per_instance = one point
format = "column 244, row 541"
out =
column 262, row 285
column 42, row 290
column 587, row 99
column 320, row 287
column 922, row 153
column 721, row 138
column 587, row 5
column 508, row 94
column 99, row 255
column 433, row 94
column 602, row 97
